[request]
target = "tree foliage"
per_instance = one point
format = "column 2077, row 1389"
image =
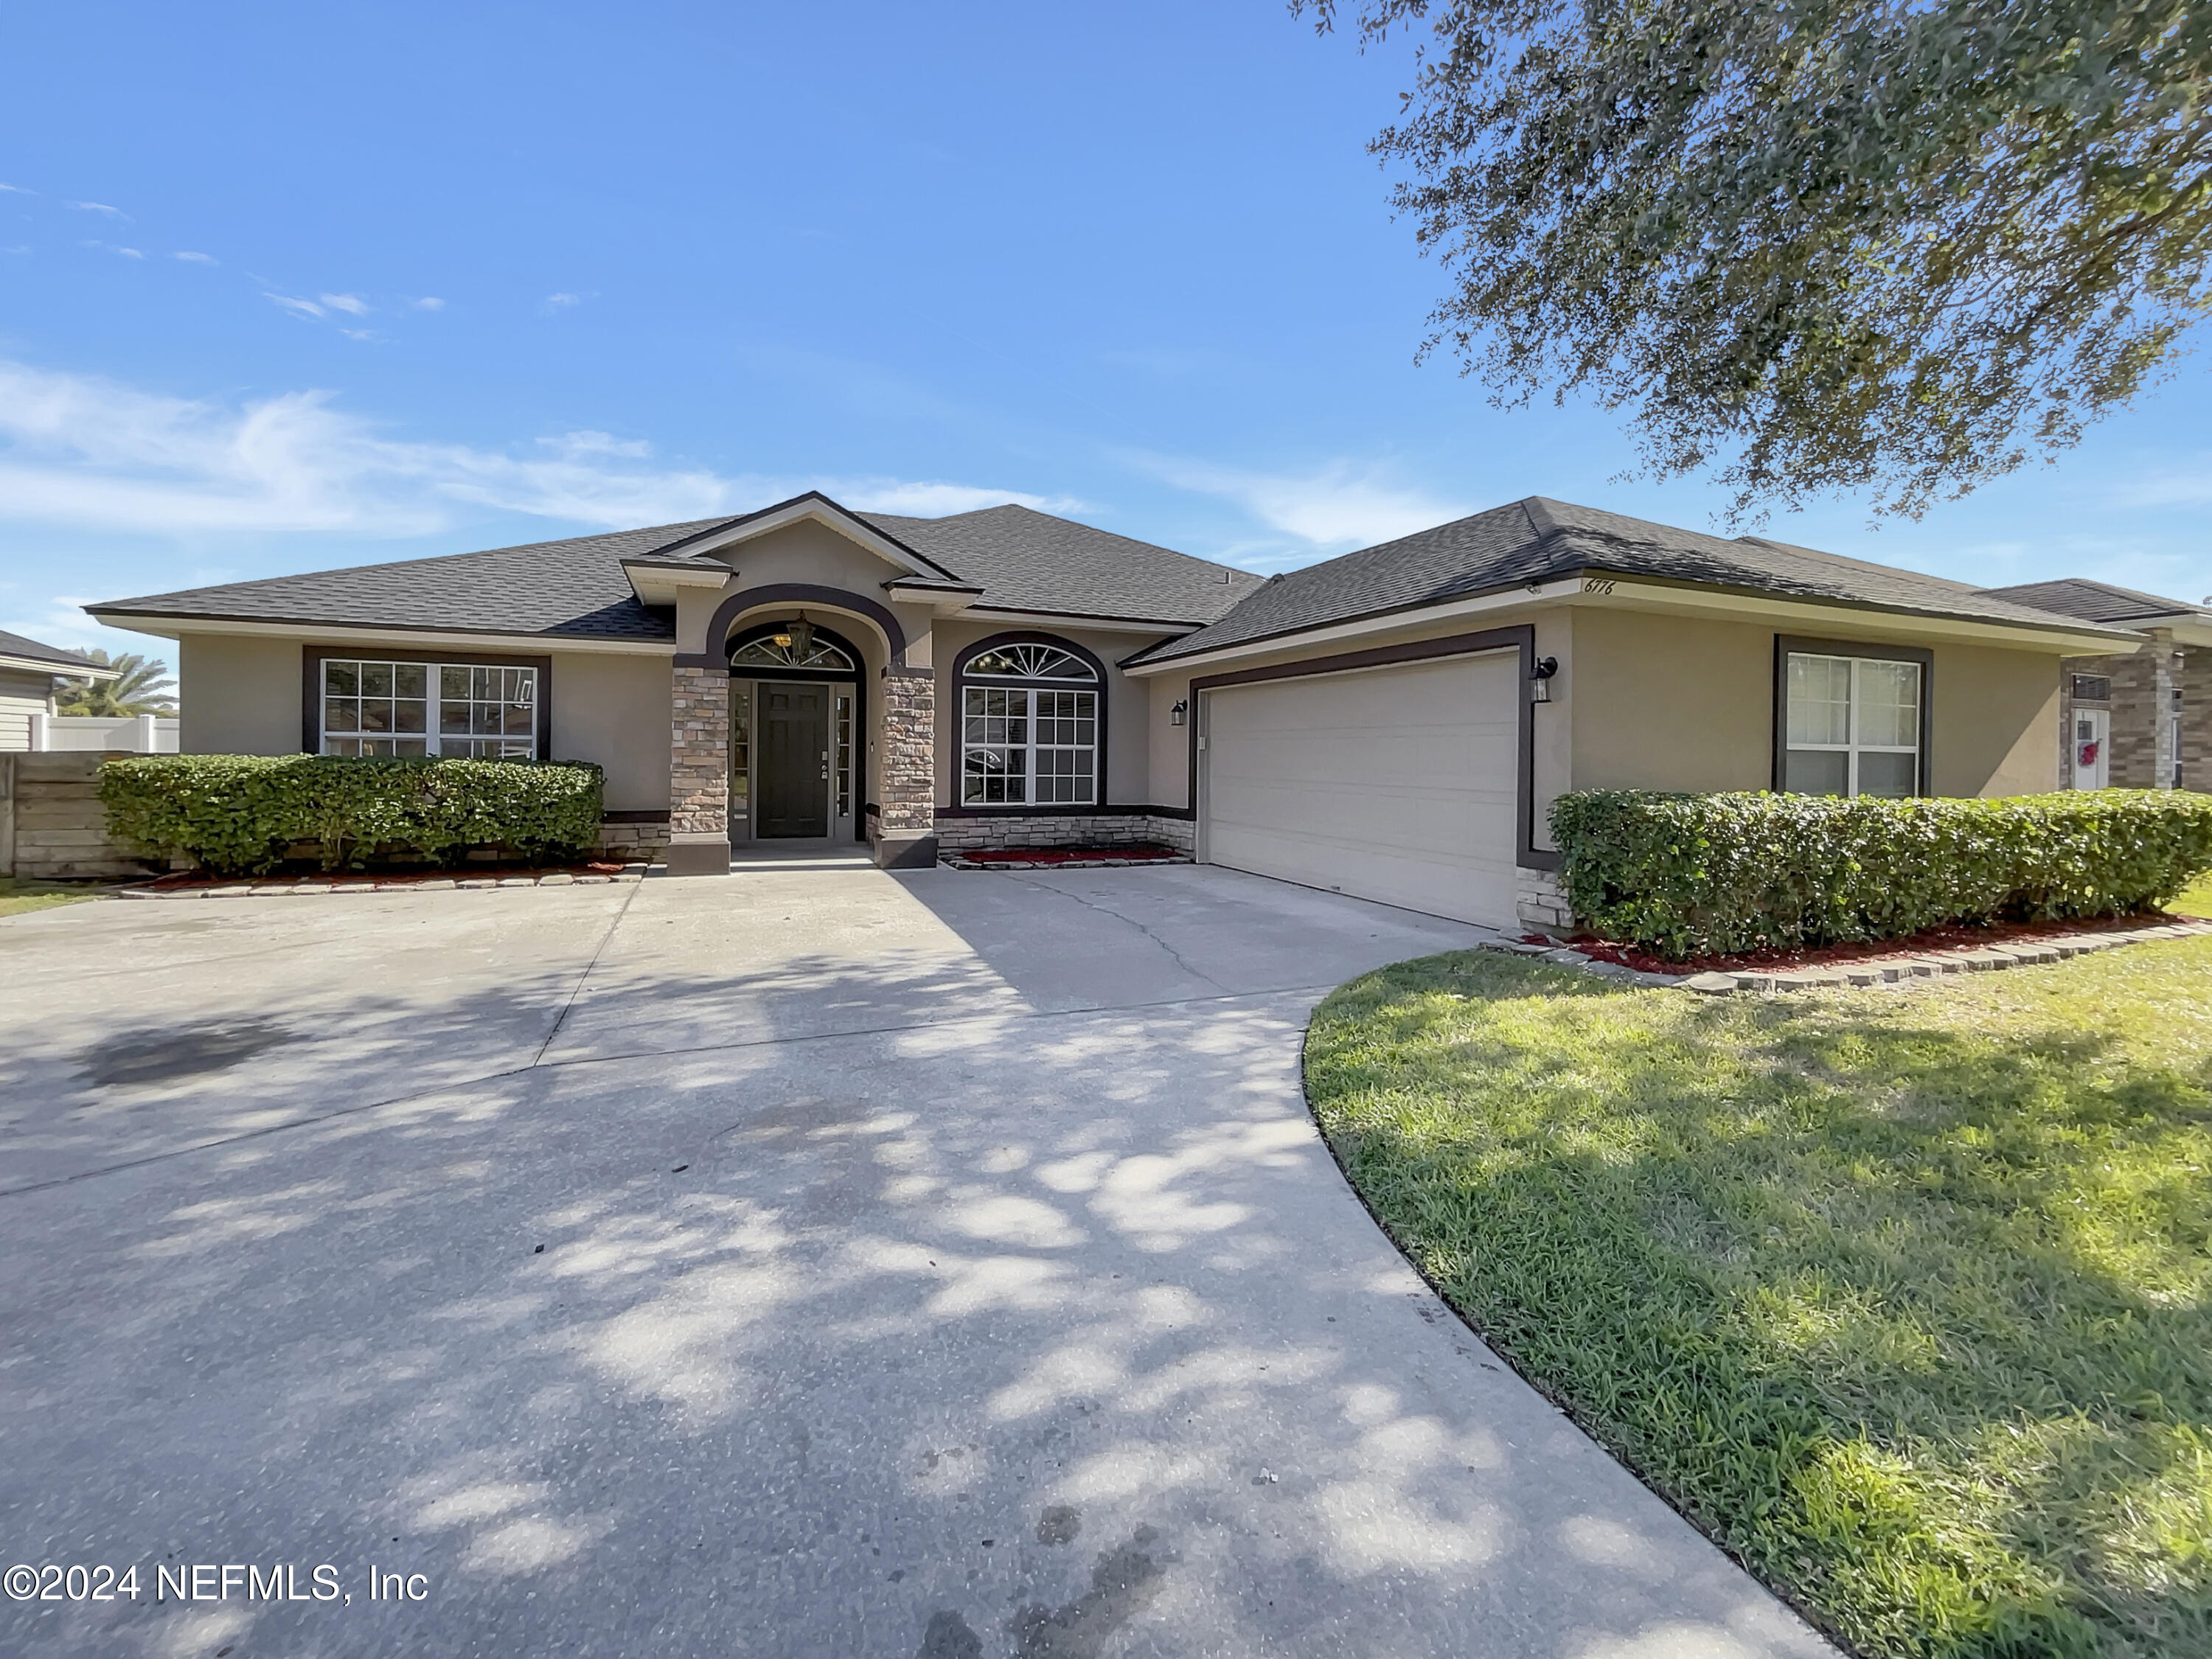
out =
column 1892, row 247
column 141, row 686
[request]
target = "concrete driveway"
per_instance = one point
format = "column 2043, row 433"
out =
column 810, row 1262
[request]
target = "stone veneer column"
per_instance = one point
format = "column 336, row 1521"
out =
column 905, row 829
column 699, row 772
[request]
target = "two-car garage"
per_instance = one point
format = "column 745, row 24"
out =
column 1398, row 783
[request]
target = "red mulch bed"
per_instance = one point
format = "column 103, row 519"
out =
column 1917, row 945
column 1070, row 855
column 406, row 878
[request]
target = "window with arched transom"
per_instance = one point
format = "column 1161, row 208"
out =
column 1030, row 723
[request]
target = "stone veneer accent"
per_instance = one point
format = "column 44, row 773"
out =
column 902, row 828
column 1103, row 829
column 2144, row 686
column 699, row 752
column 622, row 839
column 1540, row 900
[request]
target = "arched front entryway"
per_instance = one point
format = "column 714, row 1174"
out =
column 799, row 723
column 739, row 721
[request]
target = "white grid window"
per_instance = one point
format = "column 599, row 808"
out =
column 1852, row 726
column 412, row 708
column 1029, row 744
column 1039, row 747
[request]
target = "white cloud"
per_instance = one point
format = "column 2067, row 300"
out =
column 16, row 189
column 197, row 258
column 2182, row 486
column 129, row 253
column 352, row 304
column 428, row 302
column 92, row 453
column 931, row 500
column 554, row 303
column 297, row 307
column 1342, row 505
column 361, row 334
column 62, row 622
column 576, row 445
column 99, row 207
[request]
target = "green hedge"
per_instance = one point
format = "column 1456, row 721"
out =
column 237, row 814
column 1696, row 875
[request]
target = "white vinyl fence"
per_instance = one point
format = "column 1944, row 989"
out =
column 131, row 734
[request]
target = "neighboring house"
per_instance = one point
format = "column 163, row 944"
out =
column 2137, row 721
column 1390, row 724
column 31, row 675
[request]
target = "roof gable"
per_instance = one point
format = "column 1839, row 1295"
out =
column 812, row 506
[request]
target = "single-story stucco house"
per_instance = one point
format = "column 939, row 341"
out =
column 1390, row 724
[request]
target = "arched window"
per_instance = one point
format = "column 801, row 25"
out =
column 792, row 645
column 1028, row 723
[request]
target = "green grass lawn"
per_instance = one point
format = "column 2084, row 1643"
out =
column 2195, row 900
column 1905, row 1296
column 17, row 897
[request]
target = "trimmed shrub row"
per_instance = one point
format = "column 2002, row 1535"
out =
column 1711, row 875
column 237, row 814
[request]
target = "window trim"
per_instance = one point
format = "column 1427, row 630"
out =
column 956, row 716
column 1785, row 644
column 312, row 658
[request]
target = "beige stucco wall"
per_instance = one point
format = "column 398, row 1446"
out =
column 614, row 709
column 1995, row 712
column 1130, row 770
column 237, row 694
column 1669, row 703
column 813, row 554
column 241, row 695
column 1679, row 703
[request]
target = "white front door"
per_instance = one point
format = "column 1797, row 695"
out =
column 1396, row 784
column 2093, row 757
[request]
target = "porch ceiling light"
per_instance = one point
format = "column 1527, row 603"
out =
column 800, row 639
column 1539, row 680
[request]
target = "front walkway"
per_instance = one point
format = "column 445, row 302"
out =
column 805, row 1260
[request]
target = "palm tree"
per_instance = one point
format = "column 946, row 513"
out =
column 142, row 685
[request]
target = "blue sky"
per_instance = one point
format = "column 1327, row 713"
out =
column 283, row 287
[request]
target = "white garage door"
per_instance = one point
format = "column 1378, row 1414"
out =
column 1395, row 784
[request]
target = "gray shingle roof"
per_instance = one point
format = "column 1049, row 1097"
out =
column 14, row 645
column 1021, row 559
column 1539, row 539
column 2091, row 601
column 572, row 588
column 1025, row 560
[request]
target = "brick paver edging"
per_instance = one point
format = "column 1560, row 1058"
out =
column 309, row 884
column 1872, row 970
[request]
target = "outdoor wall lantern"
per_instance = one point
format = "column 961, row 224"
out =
column 1539, row 680
column 796, row 639
column 1179, row 714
